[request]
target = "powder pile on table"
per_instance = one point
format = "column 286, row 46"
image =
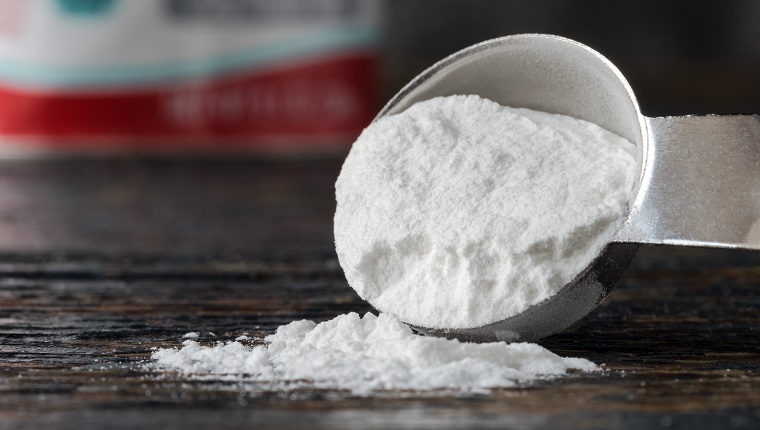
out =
column 460, row 212
column 367, row 354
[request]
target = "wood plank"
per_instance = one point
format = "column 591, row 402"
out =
column 84, row 301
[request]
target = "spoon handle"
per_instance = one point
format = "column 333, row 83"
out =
column 701, row 183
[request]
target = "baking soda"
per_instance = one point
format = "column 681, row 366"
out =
column 460, row 212
column 455, row 213
column 365, row 355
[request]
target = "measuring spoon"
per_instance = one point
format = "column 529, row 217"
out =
column 699, row 179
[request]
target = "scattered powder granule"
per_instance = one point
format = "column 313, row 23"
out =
column 367, row 354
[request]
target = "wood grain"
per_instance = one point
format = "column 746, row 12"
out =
column 112, row 272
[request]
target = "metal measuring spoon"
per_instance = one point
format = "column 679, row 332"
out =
column 699, row 182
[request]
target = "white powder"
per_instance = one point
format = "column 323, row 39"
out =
column 460, row 212
column 456, row 213
column 364, row 355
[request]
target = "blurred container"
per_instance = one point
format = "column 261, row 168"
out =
column 89, row 76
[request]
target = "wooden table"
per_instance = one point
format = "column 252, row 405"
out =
column 102, row 260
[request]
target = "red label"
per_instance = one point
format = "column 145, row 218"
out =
column 310, row 103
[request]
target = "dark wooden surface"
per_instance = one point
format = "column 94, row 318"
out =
column 102, row 260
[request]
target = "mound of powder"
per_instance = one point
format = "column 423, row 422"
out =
column 460, row 212
column 364, row 355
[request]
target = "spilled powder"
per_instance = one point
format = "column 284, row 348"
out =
column 460, row 212
column 368, row 354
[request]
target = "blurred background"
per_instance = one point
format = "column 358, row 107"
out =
column 303, row 77
column 680, row 57
column 191, row 127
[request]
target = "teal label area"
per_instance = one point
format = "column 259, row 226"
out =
column 86, row 7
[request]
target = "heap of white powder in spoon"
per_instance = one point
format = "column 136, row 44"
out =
column 365, row 355
column 460, row 212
